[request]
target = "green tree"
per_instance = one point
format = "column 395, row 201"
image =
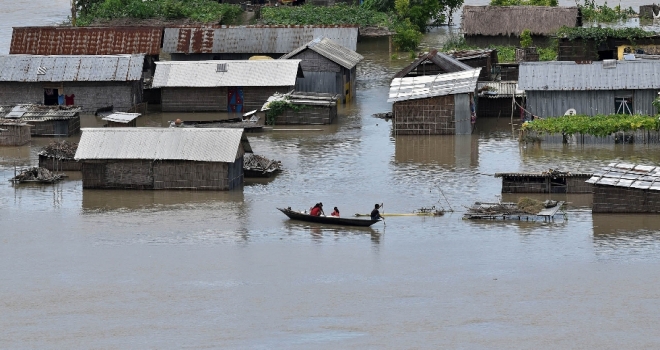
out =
column 526, row 38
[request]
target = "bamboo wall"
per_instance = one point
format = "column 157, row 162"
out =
column 15, row 135
column 545, row 184
column 428, row 116
column 64, row 127
column 54, row 164
column 194, row 99
column 167, row 174
column 614, row 199
column 308, row 115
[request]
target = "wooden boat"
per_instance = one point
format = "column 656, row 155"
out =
column 295, row 215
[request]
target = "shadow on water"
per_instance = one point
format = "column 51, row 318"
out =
column 319, row 232
column 128, row 200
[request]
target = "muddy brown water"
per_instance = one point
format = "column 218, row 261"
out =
column 171, row 269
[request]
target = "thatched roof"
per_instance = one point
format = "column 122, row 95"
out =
column 446, row 63
column 512, row 20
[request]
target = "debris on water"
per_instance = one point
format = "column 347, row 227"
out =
column 60, row 150
column 259, row 166
column 525, row 209
column 37, row 174
column 386, row 115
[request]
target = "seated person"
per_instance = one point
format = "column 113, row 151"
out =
column 375, row 214
column 316, row 210
column 335, row 212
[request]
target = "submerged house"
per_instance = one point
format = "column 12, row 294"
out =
column 432, row 63
column 502, row 25
column 59, row 121
column 499, row 99
column 545, row 182
column 306, row 108
column 603, row 87
column 626, row 188
column 121, row 120
column 486, row 59
column 14, row 132
column 91, row 82
column 243, row 42
column 162, row 158
column 327, row 67
column 438, row 104
column 232, row 86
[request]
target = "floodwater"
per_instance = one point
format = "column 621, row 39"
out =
column 173, row 269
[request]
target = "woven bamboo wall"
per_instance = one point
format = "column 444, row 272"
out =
column 15, row 135
column 65, row 128
column 308, row 115
column 183, row 174
column 131, row 124
column 578, row 184
column 613, row 199
column 429, row 116
column 539, row 184
column 54, row 164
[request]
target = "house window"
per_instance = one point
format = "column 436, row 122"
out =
column 623, row 105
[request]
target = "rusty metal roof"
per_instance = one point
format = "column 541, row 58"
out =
column 330, row 50
column 86, row 40
column 31, row 68
column 226, row 73
column 253, row 39
column 643, row 177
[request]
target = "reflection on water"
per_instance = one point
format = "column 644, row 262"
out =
column 572, row 201
column 107, row 200
column 445, row 150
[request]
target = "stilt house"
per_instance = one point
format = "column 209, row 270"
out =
column 626, row 188
column 91, row 82
column 328, row 68
column 438, row 104
column 232, row 86
column 162, row 158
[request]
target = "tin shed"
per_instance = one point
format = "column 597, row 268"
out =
column 232, row 86
column 603, row 87
column 91, row 82
column 328, row 68
column 439, row 104
column 626, row 188
column 162, row 158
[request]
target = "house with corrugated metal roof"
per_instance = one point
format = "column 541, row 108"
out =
column 162, row 158
column 243, row 42
column 432, row 63
column 626, row 188
column 91, row 82
column 227, row 86
column 602, row 87
column 499, row 99
column 328, row 68
column 60, row 121
column 441, row 104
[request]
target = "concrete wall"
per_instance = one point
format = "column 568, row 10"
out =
column 613, row 199
column 89, row 95
column 183, row 99
column 556, row 103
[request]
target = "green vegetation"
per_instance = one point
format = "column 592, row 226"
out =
column 599, row 34
column 524, row 2
column 205, row 11
column 598, row 125
column 324, row 15
column 504, row 53
column 276, row 108
column 526, row 38
column 592, row 12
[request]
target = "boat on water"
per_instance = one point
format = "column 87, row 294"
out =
column 332, row 220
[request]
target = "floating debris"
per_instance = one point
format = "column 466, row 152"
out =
column 386, row 115
column 60, row 150
column 37, row 174
column 258, row 166
column 525, row 209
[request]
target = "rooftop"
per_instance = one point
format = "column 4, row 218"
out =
column 121, row 117
column 512, row 20
column 412, row 88
column 447, row 63
column 643, row 177
column 331, row 50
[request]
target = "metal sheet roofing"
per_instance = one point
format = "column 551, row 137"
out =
column 226, row 73
column 86, row 40
column 447, row 63
column 563, row 75
column 121, row 117
column 499, row 89
column 39, row 112
column 644, row 177
column 412, row 88
column 34, row 68
column 196, row 144
column 331, row 50
column 253, row 39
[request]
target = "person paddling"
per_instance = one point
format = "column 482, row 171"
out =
column 375, row 214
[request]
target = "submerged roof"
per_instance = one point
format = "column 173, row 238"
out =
column 196, row 144
column 600, row 75
column 499, row 89
column 512, row 20
column 86, row 40
column 121, row 117
column 446, row 63
column 39, row 112
column 643, row 177
column 412, row 88
column 227, row 73
column 331, row 50
column 33, row 68
column 253, row 39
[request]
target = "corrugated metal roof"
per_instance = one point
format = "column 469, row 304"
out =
column 447, row 63
column 86, row 40
column 121, row 117
column 39, row 112
column 499, row 89
column 562, row 75
column 237, row 73
column 253, row 39
column 330, row 50
column 644, row 177
column 29, row 68
column 412, row 88
column 196, row 144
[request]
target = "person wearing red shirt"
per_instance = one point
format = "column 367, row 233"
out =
column 316, row 210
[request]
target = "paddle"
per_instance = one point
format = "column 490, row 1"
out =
column 382, row 216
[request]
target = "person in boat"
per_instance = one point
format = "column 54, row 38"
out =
column 317, row 210
column 375, row 214
column 335, row 212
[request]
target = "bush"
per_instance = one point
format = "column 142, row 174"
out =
column 526, row 38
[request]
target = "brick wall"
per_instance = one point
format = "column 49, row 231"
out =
column 428, row 116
